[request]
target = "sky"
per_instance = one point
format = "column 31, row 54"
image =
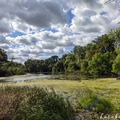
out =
column 39, row 29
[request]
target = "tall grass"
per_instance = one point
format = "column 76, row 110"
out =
column 10, row 98
column 33, row 103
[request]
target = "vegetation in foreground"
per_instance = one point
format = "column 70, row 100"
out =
column 35, row 103
column 109, row 87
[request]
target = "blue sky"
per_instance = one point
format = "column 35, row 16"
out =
column 15, row 34
column 41, row 28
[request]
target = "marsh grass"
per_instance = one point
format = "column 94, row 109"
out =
column 33, row 103
column 10, row 98
column 107, row 88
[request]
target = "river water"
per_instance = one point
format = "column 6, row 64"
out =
column 22, row 79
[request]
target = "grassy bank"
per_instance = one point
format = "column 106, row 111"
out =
column 85, row 90
column 36, row 103
column 108, row 87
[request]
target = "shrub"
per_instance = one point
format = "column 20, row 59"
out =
column 33, row 103
column 92, row 102
column 45, row 105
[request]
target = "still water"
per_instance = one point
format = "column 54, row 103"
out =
column 22, row 79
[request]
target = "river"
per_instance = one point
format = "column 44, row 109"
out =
column 22, row 79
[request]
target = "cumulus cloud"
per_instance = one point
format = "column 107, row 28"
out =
column 94, row 16
column 24, row 14
column 4, row 46
column 3, row 40
column 46, row 28
column 5, row 26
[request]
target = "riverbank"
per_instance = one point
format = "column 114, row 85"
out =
column 106, row 90
column 19, row 76
column 108, row 87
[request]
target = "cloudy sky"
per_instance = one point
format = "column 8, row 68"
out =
column 38, row 29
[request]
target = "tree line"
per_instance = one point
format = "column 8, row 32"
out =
column 99, row 58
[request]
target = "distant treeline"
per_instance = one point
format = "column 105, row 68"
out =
column 99, row 58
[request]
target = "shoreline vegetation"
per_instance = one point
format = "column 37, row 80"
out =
column 86, row 99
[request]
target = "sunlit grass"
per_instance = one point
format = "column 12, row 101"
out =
column 108, row 87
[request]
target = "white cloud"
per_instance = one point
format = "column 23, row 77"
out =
column 25, row 14
column 91, row 19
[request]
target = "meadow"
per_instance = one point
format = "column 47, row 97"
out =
column 108, row 88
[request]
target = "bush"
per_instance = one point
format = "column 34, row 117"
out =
column 45, row 105
column 33, row 103
column 92, row 102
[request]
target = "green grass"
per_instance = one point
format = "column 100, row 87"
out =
column 107, row 87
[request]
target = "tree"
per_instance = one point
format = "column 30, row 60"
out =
column 58, row 67
column 12, row 58
column 108, row 1
column 116, row 34
column 70, row 65
column 116, row 65
column 101, row 64
column 84, row 65
column 104, row 43
column 63, row 58
column 69, row 58
column 90, row 51
column 79, row 53
column 50, row 62
column 3, row 55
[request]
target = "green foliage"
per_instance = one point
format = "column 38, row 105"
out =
column 70, row 65
column 44, row 105
column 58, row 68
column 79, row 53
column 116, row 35
column 50, row 62
column 69, row 58
column 91, row 50
column 34, row 66
column 11, row 68
column 84, row 65
column 90, row 101
column 104, row 43
column 101, row 64
column 3, row 56
column 116, row 65
column 33, row 103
